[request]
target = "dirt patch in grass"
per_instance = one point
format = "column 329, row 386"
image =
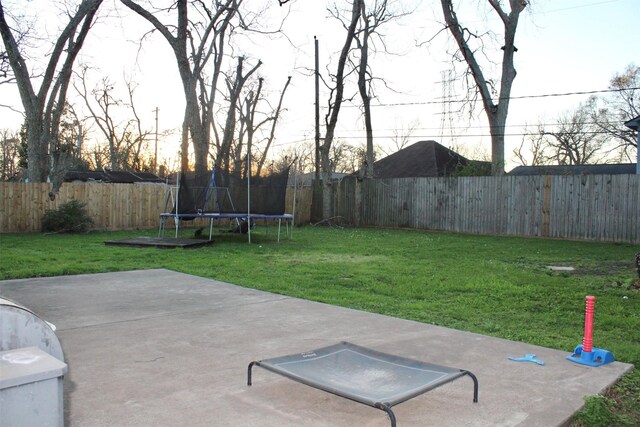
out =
column 607, row 268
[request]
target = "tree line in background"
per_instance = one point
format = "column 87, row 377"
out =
column 230, row 112
column 593, row 132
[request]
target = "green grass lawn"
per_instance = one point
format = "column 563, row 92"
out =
column 497, row 286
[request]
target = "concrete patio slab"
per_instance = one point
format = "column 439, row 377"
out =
column 160, row 348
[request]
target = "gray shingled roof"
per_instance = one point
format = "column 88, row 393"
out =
column 422, row 159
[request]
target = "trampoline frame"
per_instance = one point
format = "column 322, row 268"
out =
column 212, row 216
column 451, row 374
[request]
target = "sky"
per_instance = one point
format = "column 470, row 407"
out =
column 563, row 47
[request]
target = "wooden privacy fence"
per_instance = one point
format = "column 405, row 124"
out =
column 588, row 207
column 111, row 206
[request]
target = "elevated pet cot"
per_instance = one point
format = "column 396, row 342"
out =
column 228, row 196
column 363, row 375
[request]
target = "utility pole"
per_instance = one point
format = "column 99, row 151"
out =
column 317, row 78
column 634, row 124
column 155, row 153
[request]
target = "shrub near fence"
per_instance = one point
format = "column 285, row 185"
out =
column 111, row 206
column 588, row 207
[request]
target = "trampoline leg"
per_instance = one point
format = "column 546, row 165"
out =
column 475, row 385
column 386, row 408
column 161, row 227
column 249, row 372
column 279, row 222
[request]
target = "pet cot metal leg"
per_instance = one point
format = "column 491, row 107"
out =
column 475, row 385
column 249, row 372
column 386, row 408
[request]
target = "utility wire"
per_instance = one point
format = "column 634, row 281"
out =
column 546, row 95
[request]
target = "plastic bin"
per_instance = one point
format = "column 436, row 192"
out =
column 31, row 388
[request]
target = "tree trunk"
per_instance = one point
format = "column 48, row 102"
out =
column 364, row 93
column 496, row 112
column 332, row 122
column 44, row 108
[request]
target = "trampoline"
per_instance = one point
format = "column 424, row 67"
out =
column 363, row 375
column 228, row 196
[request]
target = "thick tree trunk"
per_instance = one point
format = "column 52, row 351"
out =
column 44, row 108
column 325, row 163
column 364, row 93
column 496, row 112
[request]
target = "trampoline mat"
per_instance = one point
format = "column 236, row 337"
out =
column 361, row 374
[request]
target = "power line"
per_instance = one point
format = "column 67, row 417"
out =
column 433, row 136
column 546, row 95
column 580, row 6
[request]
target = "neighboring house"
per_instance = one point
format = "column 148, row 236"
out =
column 115, row 177
column 603, row 169
column 426, row 159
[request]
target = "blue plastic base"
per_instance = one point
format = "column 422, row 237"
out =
column 595, row 357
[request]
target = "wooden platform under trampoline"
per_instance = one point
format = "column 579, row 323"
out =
column 160, row 242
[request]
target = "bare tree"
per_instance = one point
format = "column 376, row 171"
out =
column 401, row 136
column 194, row 43
column 335, row 102
column 274, row 121
column 302, row 154
column 531, row 151
column 623, row 104
column 496, row 111
column 43, row 109
column 124, row 139
column 235, row 85
column 9, row 150
column 371, row 21
column 250, row 126
column 574, row 140
column 198, row 40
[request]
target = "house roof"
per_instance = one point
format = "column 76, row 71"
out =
column 116, row 177
column 422, row 159
column 604, row 169
column 633, row 123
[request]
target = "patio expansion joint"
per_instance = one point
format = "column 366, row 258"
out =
column 170, row 314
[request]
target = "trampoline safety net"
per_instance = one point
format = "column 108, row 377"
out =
column 222, row 192
column 367, row 376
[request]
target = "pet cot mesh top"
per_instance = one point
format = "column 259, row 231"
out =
column 361, row 374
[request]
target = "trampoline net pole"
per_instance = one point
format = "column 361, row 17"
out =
column 177, row 217
column 249, row 191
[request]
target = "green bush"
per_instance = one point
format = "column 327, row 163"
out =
column 70, row 217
